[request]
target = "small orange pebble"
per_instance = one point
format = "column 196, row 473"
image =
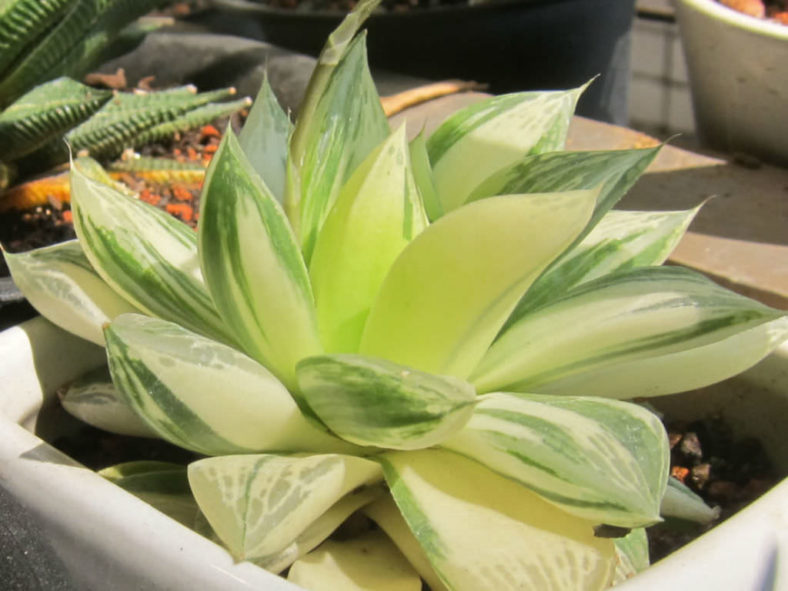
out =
column 781, row 17
column 68, row 216
column 210, row 131
column 177, row 152
column 680, row 473
column 183, row 211
column 210, row 148
column 181, row 193
column 148, row 197
column 192, row 153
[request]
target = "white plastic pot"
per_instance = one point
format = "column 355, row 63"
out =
column 738, row 70
column 110, row 540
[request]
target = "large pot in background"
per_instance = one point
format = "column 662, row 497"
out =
column 109, row 540
column 511, row 45
column 738, row 70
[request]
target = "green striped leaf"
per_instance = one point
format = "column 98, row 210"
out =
column 264, row 139
column 94, row 400
column 163, row 485
column 481, row 530
column 454, row 285
column 339, row 124
column 205, row 396
column 376, row 402
column 386, row 515
column 680, row 502
column 253, row 266
column 376, row 215
column 622, row 240
column 259, row 504
column 62, row 285
column 632, row 553
column 492, row 134
column 369, row 561
column 46, row 111
column 422, row 173
column 320, row 529
column 637, row 316
column 615, row 171
column 603, row 460
column 144, row 254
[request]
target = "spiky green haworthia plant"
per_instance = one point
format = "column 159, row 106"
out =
column 442, row 333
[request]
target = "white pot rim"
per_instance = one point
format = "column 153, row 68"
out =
column 733, row 18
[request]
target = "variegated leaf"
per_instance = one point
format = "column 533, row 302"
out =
column 340, row 122
column 603, row 460
column 320, row 529
column 377, row 213
column 253, row 266
column 163, row 485
column 385, row 513
column 62, row 285
column 680, row 502
column 203, row 395
column 144, row 254
column 422, row 173
column 259, row 504
column 527, row 543
column 375, row 402
column 369, row 561
column 615, row 171
column 621, row 241
column 492, row 134
column 264, row 139
column 614, row 324
column 452, row 288
column 632, row 552
column 94, row 400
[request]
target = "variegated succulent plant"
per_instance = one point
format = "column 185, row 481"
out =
column 443, row 334
column 44, row 46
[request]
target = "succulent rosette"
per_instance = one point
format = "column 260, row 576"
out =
column 442, row 334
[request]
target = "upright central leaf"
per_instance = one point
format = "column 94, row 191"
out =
column 342, row 123
column 376, row 215
column 452, row 288
column 253, row 267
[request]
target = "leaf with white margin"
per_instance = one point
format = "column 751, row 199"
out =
column 614, row 170
column 253, row 266
column 264, row 139
column 621, row 241
column 320, row 529
column 367, row 562
column 379, row 403
column 386, row 515
column 453, row 287
column 340, row 121
column 492, row 134
column 94, row 400
column 61, row 284
column 144, row 254
column 259, row 504
column 163, row 485
column 205, row 396
column 377, row 213
column 603, row 460
column 680, row 502
column 617, row 320
column 632, row 552
column 481, row 530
